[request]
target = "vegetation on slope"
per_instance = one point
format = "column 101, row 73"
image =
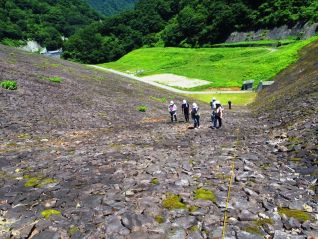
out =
column 111, row 7
column 182, row 23
column 223, row 67
column 44, row 21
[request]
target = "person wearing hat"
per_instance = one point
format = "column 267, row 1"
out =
column 185, row 109
column 173, row 111
column 195, row 114
column 218, row 115
column 213, row 108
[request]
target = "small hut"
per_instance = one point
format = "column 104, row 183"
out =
column 264, row 84
column 247, row 85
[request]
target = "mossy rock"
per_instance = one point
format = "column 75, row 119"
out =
column 49, row 212
column 253, row 230
column 193, row 208
column 297, row 214
column 205, row 194
column 38, row 182
column 73, row 230
column 173, row 202
column 155, row 181
column 264, row 221
column 160, row 219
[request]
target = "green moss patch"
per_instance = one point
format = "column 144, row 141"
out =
column 72, row 230
column 297, row 214
column 204, row 194
column 155, row 181
column 193, row 208
column 253, row 230
column 264, row 221
column 49, row 212
column 38, row 182
column 160, row 219
column 173, row 202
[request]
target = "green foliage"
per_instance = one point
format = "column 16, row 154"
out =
column 253, row 230
column 264, row 221
column 49, row 212
column 9, row 85
column 173, row 202
column 204, row 194
column 142, row 108
column 55, row 79
column 159, row 99
column 223, row 67
column 183, row 23
column 297, row 214
column 44, row 21
column 111, row 7
column 12, row 42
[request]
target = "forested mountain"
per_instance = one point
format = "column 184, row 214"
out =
column 111, row 7
column 45, row 21
column 183, row 23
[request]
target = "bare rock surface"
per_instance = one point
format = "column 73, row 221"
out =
column 82, row 148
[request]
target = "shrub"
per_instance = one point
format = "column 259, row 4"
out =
column 9, row 85
column 142, row 108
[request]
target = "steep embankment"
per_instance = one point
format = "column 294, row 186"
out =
column 78, row 160
column 290, row 107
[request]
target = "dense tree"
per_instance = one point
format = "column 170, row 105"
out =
column 111, row 7
column 45, row 21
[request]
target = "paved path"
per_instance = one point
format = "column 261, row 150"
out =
column 167, row 87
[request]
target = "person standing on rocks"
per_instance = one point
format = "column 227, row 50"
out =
column 218, row 114
column 195, row 114
column 185, row 110
column 213, row 108
column 173, row 111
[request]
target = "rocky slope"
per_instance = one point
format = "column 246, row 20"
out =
column 78, row 160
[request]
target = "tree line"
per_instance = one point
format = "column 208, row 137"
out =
column 182, row 23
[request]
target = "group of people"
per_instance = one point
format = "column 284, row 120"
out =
column 216, row 114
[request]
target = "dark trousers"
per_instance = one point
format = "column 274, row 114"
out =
column 213, row 119
column 186, row 115
column 218, row 119
column 173, row 114
column 196, row 120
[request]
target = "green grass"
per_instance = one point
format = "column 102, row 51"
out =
column 142, row 108
column 236, row 99
column 9, row 85
column 55, row 79
column 223, row 67
column 297, row 214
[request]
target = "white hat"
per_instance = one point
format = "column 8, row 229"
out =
column 171, row 102
column 195, row 105
column 184, row 101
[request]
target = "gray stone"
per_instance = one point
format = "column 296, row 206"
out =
column 47, row 235
column 246, row 215
column 185, row 222
column 176, row 233
column 283, row 235
column 247, row 235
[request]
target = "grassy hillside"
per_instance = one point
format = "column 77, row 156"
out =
column 223, row 67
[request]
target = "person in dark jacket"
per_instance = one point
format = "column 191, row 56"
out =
column 185, row 110
column 218, row 114
column 195, row 114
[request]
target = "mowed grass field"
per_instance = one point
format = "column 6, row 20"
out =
column 223, row 67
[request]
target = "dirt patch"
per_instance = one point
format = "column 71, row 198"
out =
column 176, row 81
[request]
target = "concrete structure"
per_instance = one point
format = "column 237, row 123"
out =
column 55, row 54
column 264, row 84
column 247, row 85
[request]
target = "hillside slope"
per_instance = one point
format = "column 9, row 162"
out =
column 111, row 7
column 290, row 107
column 79, row 160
